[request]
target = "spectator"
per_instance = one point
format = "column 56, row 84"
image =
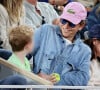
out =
column 94, row 16
column 94, row 43
column 92, row 19
column 59, row 49
column 38, row 13
column 11, row 14
column 20, row 39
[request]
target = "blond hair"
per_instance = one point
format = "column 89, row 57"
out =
column 20, row 36
column 14, row 9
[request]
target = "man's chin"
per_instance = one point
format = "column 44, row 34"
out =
column 65, row 36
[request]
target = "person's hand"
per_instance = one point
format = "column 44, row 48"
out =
column 56, row 21
column 61, row 8
column 45, row 76
column 51, row 78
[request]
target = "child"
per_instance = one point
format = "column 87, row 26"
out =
column 21, row 41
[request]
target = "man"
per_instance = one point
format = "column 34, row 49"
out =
column 38, row 13
column 94, row 16
column 59, row 49
column 94, row 44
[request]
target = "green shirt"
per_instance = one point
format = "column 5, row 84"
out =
column 16, row 61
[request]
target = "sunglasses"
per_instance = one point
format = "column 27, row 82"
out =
column 63, row 21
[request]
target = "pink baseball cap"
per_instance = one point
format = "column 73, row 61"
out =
column 74, row 12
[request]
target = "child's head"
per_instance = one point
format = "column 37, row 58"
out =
column 21, row 38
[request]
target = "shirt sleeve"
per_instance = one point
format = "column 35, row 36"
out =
column 37, row 39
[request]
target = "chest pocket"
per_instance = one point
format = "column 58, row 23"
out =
column 50, row 56
column 46, row 60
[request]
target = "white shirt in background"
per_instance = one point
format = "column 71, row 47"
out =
column 34, row 19
column 95, row 73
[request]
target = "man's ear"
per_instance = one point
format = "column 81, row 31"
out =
column 82, row 25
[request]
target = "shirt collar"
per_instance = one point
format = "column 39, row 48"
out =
column 77, row 39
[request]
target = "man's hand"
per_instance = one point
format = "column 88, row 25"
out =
column 56, row 21
column 51, row 78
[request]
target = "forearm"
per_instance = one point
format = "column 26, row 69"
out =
column 74, row 78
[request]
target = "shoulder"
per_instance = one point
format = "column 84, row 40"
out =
column 45, row 5
column 2, row 8
column 3, row 11
column 28, row 6
column 47, row 28
column 85, row 48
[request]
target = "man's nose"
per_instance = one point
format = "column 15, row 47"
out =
column 66, row 25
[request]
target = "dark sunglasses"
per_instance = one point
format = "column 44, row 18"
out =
column 63, row 21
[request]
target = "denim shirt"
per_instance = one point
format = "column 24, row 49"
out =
column 51, row 55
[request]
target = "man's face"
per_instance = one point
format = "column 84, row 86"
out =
column 68, row 29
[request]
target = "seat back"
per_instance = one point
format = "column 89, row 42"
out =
column 7, row 69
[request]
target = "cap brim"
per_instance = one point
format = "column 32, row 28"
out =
column 70, row 18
